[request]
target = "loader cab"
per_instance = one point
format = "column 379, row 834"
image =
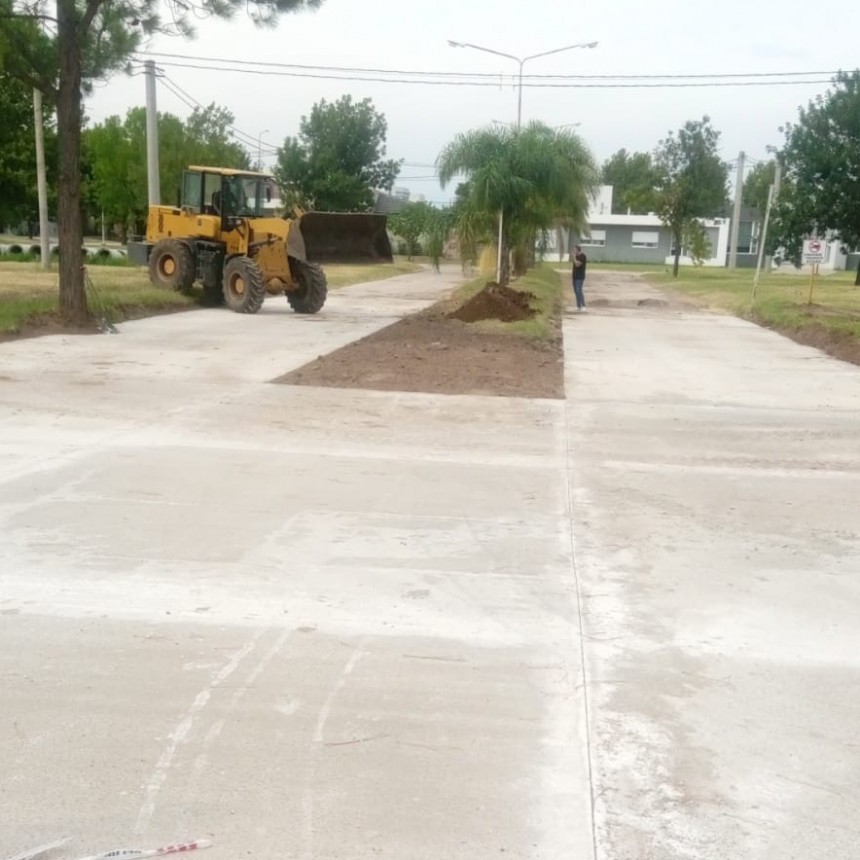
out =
column 232, row 197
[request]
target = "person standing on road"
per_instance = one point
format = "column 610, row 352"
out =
column 580, row 262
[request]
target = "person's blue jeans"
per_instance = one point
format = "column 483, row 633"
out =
column 578, row 284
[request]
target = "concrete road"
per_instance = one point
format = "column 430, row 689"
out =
column 309, row 623
column 716, row 478
column 302, row 623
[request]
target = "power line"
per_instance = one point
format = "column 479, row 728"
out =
column 238, row 135
column 531, row 83
column 494, row 76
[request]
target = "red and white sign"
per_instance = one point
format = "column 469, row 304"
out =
column 813, row 251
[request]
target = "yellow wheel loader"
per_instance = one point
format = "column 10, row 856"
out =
column 227, row 235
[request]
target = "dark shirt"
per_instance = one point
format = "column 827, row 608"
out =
column 579, row 271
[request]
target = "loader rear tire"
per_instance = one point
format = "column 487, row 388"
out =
column 171, row 265
column 310, row 294
column 244, row 288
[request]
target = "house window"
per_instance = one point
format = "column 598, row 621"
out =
column 646, row 239
column 597, row 239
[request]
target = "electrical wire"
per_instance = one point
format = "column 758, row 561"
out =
column 352, row 70
column 238, row 135
column 530, row 83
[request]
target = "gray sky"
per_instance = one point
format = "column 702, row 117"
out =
column 671, row 37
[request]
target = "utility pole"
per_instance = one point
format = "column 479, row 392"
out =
column 41, row 182
column 260, row 148
column 153, row 179
column 736, row 214
column 777, row 180
column 771, row 199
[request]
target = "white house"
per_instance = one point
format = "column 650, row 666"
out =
column 635, row 238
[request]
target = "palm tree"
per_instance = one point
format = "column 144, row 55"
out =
column 529, row 178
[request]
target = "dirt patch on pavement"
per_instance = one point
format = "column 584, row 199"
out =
column 433, row 352
column 52, row 323
column 496, row 302
column 842, row 345
column 44, row 325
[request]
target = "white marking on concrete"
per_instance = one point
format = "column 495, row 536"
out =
column 339, row 684
column 319, row 730
column 181, row 732
column 202, row 758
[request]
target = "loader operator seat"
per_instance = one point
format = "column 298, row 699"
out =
column 234, row 200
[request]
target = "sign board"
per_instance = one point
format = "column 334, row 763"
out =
column 813, row 251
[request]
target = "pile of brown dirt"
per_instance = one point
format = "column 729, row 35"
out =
column 495, row 302
column 429, row 352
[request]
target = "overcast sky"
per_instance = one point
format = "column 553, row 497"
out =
column 661, row 37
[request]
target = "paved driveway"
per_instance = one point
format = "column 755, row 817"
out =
column 320, row 623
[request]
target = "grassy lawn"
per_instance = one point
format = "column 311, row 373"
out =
column 342, row 275
column 831, row 322
column 544, row 283
column 28, row 296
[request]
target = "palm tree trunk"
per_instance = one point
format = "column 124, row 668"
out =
column 70, row 229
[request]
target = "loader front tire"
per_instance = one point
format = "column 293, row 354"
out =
column 244, row 288
column 171, row 265
column 310, row 294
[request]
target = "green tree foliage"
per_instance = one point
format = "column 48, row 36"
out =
column 115, row 152
column 533, row 177
column 94, row 39
column 821, row 155
column 692, row 181
column 634, row 180
column 18, row 198
column 410, row 224
column 440, row 223
column 424, row 227
column 757, row 184
column 338, row 158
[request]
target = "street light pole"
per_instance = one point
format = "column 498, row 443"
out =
column 260, row 147
column 521, row 61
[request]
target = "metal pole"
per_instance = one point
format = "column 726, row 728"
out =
column 762, row 241
column 499, row 256
column 153, row 181
column 41, row 182
column 777, row 181
column 736, row 215
column 260, row 148
column 520, row 97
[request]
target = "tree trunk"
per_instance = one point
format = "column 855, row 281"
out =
column 676, row 252
column 506, row 262
column 857, row 276
column 70, row 236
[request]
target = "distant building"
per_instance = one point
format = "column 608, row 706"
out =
column 635, row 238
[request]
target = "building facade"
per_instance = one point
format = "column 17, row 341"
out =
column 635, row 238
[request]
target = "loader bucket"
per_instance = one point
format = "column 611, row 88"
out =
column 345, row 237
